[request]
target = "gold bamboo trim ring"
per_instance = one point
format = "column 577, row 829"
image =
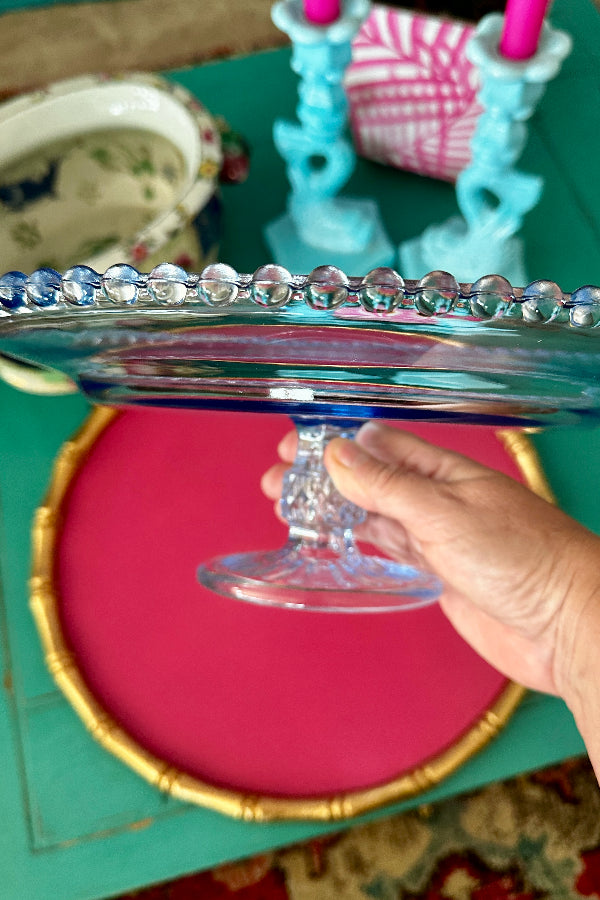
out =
column 45, row 602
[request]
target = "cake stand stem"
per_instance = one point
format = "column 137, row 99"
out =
column 320, row 567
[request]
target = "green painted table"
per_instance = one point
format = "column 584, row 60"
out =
column 75, row 822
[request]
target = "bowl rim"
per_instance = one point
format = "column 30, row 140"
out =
column 202, row 154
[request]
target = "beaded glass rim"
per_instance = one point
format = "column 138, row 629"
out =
column 382, row 291
column 62, row 665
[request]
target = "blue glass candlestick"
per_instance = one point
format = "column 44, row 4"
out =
column 318, row 225
column 492, row 195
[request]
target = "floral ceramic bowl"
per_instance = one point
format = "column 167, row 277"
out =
column 102, row 170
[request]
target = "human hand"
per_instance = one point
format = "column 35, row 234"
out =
column 518, row 573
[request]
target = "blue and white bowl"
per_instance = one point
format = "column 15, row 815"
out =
column 103, row 170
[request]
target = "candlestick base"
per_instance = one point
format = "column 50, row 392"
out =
column 465, row 252
column 288, row 249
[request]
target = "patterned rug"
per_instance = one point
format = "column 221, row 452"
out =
column 533, row 837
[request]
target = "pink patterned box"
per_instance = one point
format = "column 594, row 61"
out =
column 412, row 92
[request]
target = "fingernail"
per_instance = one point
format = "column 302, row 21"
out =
column 370, row 435
column 283, row 445
column 370, row 428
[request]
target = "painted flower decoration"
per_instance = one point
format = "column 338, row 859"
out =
column 139, row 252
column 236, row 155
column 209, row 168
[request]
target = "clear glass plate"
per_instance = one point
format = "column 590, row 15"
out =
column 329, row 350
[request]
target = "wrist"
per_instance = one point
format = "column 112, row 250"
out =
column 577, row 646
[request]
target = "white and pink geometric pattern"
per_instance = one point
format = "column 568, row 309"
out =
column 412, row 92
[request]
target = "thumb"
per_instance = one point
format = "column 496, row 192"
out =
column 397, row 475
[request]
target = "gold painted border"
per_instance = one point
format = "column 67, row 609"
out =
column 44, row 602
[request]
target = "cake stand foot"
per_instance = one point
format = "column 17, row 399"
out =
column 299, row 577
column 320, row 568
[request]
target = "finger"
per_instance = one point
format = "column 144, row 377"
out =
column 272, row 481
column 389, row 537
column 405, row 488
column 277, row 511
column 288, row 446
column 406, row 450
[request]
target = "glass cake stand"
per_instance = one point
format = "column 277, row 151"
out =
column 329, row 350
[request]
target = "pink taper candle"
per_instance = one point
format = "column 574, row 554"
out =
column 322, row 12
column 523, row 20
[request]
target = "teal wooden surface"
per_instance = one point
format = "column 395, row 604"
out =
column 16, row 5
column 79, row 824
column 76, row 823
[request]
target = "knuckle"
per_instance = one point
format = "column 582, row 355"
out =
column 384, row 479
